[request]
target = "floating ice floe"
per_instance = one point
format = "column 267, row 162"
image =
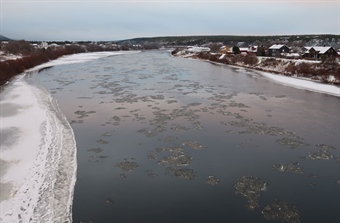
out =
column 282, row 211
column 324, row 146
column 178, row 159
column 127, row 165
column 212, row 180
column 322, row 154
column 102, row 141
column 193, row 144
column 109, row 202
column 95, row 150
column 250, row 187
column 152, row 132
column 182, row 172
column 178, row 156
column 293, row 167
column 291, row 143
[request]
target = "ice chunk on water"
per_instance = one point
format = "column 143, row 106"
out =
column 127, row 165
column 293, row 167
column 250, row 187
column 282, row 211
column 291, row 143
column 212, row 180
column 182, row 172
column 193, row 144
column 322, row 154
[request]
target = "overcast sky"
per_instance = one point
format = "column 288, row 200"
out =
column 115, row 20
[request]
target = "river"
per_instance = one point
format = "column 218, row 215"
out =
column 164, row 139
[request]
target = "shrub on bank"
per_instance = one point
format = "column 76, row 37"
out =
column 250, row 59
column 305, row 69
column 270, row 62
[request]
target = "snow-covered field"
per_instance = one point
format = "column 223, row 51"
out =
column 37, row 151
column 4, row 56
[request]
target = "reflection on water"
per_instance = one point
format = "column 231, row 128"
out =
column 164, row 139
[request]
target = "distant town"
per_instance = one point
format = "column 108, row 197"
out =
column 303, row 46
column 298, row 47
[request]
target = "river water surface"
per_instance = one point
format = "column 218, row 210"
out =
column 163, row 139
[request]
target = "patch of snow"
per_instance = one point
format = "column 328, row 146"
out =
column 196, row 49
column 331, row 78
column 8, row 56
column 221, row 57
column 245, row 49
column 291, row 55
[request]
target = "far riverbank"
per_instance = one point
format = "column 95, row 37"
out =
column 288, row 72
column 327, row 71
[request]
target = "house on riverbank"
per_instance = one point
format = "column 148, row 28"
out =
column 276, row 50
column 248, row 50
column 317, row 52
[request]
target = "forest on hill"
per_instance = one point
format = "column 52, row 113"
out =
column 230, row 39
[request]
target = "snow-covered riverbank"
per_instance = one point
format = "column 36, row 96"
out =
column 303, row 84
column 277, row 68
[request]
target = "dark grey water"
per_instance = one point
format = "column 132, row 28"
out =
column 151, row 129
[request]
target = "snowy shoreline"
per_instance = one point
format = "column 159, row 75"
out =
column 37, row 142
column 295, row 82
column 303, row 84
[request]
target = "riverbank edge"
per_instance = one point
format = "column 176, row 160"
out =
column 333, row 89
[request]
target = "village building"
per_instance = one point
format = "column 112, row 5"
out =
column 248, row 50
column 277, row 49
column 244, row 50
column 253, row 50
column 317, row 52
